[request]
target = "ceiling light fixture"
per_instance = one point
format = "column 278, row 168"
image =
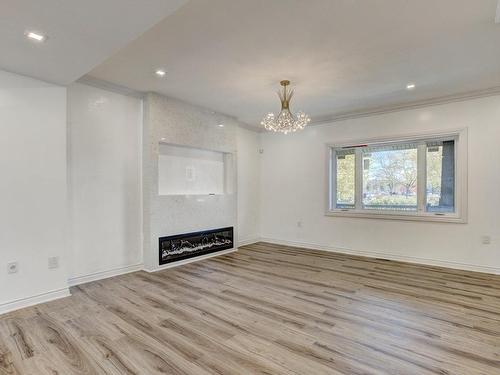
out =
column 160, row 73
column 410, row 86
column 285, row 122
column 35, row 36
column 221, row 125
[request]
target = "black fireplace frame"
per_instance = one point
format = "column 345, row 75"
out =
column 198, row 253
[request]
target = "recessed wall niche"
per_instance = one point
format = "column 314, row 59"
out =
column 184, row 170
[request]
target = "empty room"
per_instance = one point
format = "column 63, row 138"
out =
column 250, row 187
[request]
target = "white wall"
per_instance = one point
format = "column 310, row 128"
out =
column 275, row 190
column 33, row 202
column 293, row 182
column 104, row 132
column 248, row 145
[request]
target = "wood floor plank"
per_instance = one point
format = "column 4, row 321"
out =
column 266, row 309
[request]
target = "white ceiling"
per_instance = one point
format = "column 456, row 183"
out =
column 81, row 34
column 342, row 55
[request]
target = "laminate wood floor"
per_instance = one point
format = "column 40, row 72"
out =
column 266, row 309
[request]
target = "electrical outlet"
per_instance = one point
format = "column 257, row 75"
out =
column 12, row 267
column 485, row 240
column 53, row 262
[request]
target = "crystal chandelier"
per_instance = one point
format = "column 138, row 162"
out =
column 285, row 122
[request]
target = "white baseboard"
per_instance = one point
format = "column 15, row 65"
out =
column 64, row 292
column 33, row 300
column 191, row 260
column 373, row 254
column 248, row 241
column 104, row 274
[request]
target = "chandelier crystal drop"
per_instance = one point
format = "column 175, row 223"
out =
column 285, row 122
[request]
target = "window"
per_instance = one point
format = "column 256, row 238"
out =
column 345, row 178
column 440, row 176
column 416, row 178
column 390, row 177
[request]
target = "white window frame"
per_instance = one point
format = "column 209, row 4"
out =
column 461, row 166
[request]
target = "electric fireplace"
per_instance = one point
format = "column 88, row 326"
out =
column 190, row 245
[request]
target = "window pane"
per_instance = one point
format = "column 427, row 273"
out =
column 345, row 160
column 390, row 177
column 440, row 176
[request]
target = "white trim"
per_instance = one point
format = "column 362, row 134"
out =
column 422, row 176
column 329, row 198
column 377, row 111
column 408, row 216
column 363, row 112
column 108, row 86
column 248, row 241
column 497, row 15
column 21, row 303
column 191, row 260
column 140, row 180
column 367, row 112
column 380, row 255
column 400, row 137
column 358, row 180
column 461, row 167
column 104, row 274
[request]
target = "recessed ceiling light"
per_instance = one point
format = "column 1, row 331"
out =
column 35, row 36
column 410, row 86
column 221, row 125
column 160, row 73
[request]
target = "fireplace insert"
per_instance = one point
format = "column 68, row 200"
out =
column 189, row 245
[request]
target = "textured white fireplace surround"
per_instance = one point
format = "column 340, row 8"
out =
column 174, row 122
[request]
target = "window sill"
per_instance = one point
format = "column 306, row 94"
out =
column 447, row 218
